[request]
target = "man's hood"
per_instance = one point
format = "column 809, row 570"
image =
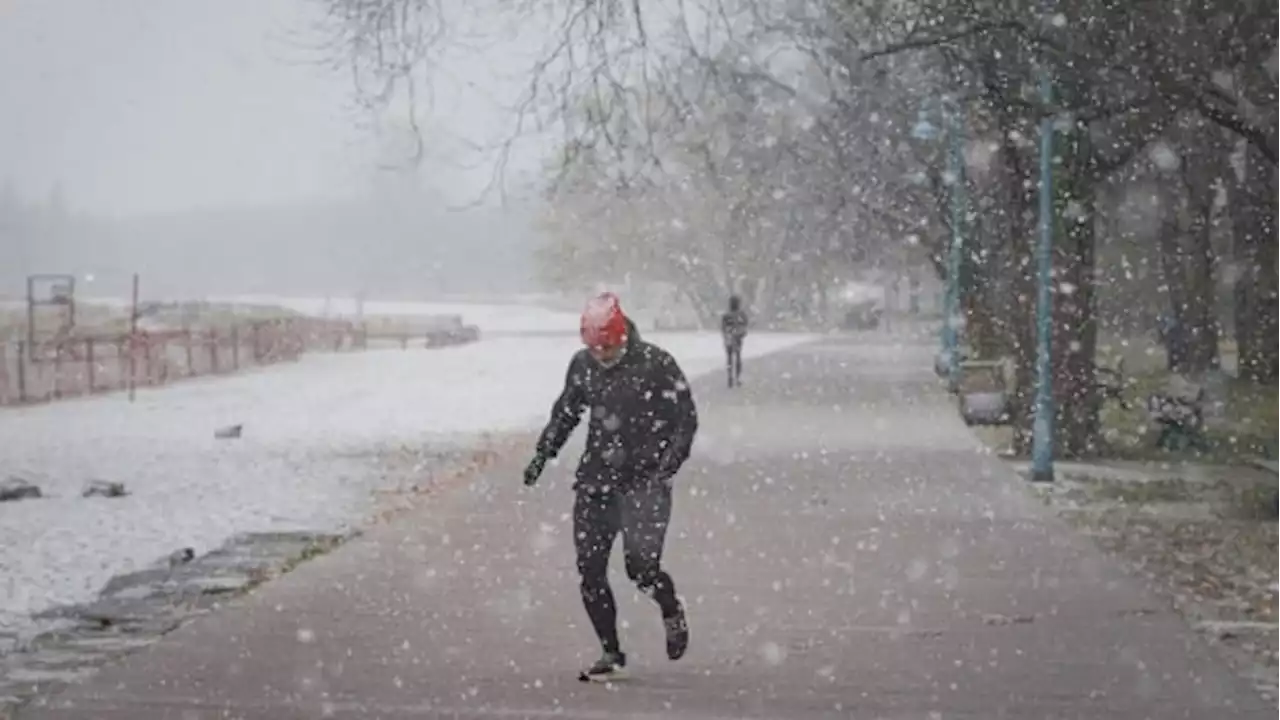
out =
column 633, row 334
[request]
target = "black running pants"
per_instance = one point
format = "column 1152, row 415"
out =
column 641, row 514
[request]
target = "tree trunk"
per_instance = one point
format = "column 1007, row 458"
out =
column 1252, row 204
column 1075, row 335
column 1172, row 330
column 824, row 302
column 1074, row 331
column 1201, row 320
column 1187, row 261
column 978, row 303
column 702, row 309
column 1016, row 232
column 701, row 289
column 1191, row 336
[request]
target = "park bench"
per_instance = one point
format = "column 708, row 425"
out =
column 940, row 365
column 1179, row 411
column 982, row 390
column 862, row 316
column 1110, row 383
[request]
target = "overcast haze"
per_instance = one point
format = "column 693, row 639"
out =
column 149, row 105
column 145, row 106
column 205, row 109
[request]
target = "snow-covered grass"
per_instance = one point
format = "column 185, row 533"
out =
column 1203, row 535
column 310, row 431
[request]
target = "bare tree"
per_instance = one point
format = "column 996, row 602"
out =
column 744, row 132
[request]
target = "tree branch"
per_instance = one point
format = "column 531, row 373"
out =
column 1261, row 138
column 977, row 28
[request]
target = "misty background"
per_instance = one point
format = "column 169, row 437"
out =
column 207, row 147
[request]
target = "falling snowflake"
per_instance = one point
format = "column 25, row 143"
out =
column 1164, row 157
column 773, row 653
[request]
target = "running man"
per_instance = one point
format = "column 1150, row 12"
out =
column 640, row 432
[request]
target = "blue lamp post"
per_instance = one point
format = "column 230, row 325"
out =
column 1042, row 426
column 926, row 131
column 959, row 202
column 954, row 180
column 923, row 129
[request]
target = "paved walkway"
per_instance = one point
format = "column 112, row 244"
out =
column 846, row 550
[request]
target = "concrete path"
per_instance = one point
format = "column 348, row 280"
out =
column 846, row 549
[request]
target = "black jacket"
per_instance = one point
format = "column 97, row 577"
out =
column 733, row 326
column 642, row 416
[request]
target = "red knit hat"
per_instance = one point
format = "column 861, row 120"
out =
column 603, row 323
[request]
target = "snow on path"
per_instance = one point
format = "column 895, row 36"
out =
column 297, row 466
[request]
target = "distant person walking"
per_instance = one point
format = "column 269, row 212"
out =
column 733, row 329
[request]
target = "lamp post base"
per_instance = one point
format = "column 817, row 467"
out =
column 1042, row 476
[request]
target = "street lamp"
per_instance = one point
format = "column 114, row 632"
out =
column 923, row 130
column 1042, row 426
column 954, row 180
column 959, row 202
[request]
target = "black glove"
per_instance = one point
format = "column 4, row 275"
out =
column 665, row 477
column 668, row 466
column 534, row 470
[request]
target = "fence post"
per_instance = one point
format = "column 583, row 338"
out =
column 122, row 360
column 213, row 351
column 191, row 365
column 147, row 368
column 92, row 364
column 56, row 391
column 235, row 347
column 4, row 374
column 130, row 343
column 161, row 351
column 129, row 375
column 22, row 372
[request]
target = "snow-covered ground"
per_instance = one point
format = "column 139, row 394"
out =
column 522, row 314
column 311, row 431
column 519, row 314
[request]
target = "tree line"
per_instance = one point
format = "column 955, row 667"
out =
column 764, row 147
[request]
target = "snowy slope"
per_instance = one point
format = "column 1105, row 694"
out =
column 305, row 461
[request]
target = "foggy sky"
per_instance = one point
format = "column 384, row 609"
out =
column 142, row 106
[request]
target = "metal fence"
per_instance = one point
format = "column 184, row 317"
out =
column 87, row 365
